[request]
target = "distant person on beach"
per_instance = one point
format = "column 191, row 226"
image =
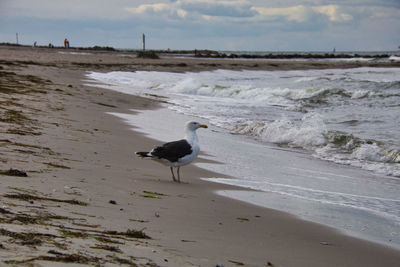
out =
column 66, row 43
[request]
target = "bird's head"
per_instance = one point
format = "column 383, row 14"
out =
column 193, row 126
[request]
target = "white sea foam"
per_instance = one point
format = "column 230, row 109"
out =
column 394, row 58
column 371, row 152
column 361, row 94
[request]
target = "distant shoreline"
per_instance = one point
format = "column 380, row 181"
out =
column 103, row 60
column 205, row 53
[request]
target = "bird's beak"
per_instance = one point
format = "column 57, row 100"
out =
column 203, row 126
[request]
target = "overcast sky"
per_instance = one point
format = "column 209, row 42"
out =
column 261, row 25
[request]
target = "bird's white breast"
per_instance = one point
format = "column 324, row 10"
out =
column 188, row 158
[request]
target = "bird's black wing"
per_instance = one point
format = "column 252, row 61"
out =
column 172, row 151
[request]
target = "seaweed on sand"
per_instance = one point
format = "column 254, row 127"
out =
column 109, row 248
column 30, row 239
column 77, row 259
column 102, row 236
column 107, row 240
column 14, row 116
column 60, row 257
column 14, row 172
column 28, row 197
column 11, row 82
column 129, row 233
column 39, row 219
column 73, row 234
column 54, row 165
column 155, row 195
column 22, row 132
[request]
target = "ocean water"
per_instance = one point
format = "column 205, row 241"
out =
column 321, row 144
column 346, row 116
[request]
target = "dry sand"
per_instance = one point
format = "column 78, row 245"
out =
column 88, row 200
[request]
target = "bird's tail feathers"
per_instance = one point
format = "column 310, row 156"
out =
column 143, row 154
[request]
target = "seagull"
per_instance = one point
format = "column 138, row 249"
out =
column 177, row 153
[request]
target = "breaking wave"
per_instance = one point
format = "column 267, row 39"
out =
column 312, row 134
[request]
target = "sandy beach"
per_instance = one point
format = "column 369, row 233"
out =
column 73, row 192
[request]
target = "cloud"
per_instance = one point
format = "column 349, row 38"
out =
column 209, row 11
column 333, row 12
column 294, row 13
column 233, row 8
column 196, row 9
column 71, row 9
column 303, row 13
column 165, row 10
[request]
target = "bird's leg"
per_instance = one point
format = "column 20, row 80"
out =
column 179, row 177
column 173, row 175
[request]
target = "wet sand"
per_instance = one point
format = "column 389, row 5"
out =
column 87, row 199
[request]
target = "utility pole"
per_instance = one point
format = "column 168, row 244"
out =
column 144, row 41
column 17, row 37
